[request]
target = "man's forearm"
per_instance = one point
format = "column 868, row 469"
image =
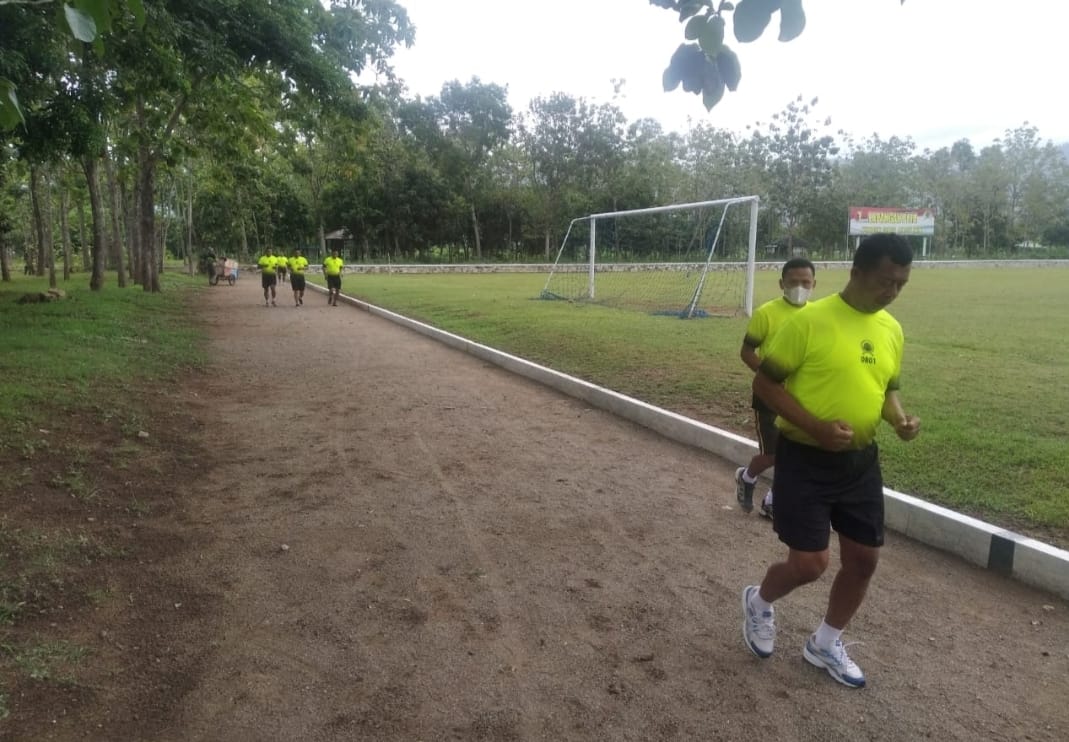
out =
column 783, row 404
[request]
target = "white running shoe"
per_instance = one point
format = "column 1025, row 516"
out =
column 758, row 629
column 836, row 661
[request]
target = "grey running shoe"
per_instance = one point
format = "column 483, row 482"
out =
column 743, row 491
column 766, row 506
column 758, row 629
column 836, row 661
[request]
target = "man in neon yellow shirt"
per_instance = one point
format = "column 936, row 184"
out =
column 332, row 268
column 797, row 280
column 281, row 263
column 268, row 278
column 832, row 374
column 297, row 265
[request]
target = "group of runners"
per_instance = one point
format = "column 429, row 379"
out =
column 275, row 268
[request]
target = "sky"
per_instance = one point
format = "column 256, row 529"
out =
column 934, row 70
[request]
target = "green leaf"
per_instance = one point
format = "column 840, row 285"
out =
column 750, row 19
column 712, row 86
column 725, row 6
column 694, row 27
column 727, row 63
column 689, row 8
column 99, row 10
column 670, row 79
column 82, row 25
column 791, row 20
column 10, row 113
column 685, row 66
column 712, row 36
column 138, row 9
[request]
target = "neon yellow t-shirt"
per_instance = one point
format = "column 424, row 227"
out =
column 281, row 261
column 267, row 264
column 298, row 264
column 766, row 321
column 332, row 266
column 838, row 363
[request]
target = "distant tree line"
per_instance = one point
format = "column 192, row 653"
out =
column 233, row 125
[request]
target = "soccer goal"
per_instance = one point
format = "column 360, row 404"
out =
column 686, row 260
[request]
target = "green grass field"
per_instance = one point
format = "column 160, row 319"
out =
column 82, row 351
column 986, row 368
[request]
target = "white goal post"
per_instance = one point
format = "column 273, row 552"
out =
column 688, row 260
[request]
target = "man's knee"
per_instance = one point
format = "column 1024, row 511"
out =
column 808, row 566
column 858, row 560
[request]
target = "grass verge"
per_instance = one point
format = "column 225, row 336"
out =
column 72, row 380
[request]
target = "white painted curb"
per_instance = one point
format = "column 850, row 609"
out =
column 1008, row 553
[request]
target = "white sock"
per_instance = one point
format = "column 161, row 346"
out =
column 759, row 604
column 768, row 498
column 747, row 478
column 826, row 635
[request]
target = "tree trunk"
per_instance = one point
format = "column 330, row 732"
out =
column 133, row 251
column 38, row 218
column 150, row 279
column 189, row 228
column 115, row 209
column 5, row 266
column 65, row 227
column 322, row 234
column 49, row 231
column 96, row 207
column 475, row 229
column 87, row 264
column 511, row 248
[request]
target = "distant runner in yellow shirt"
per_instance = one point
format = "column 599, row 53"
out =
column 332, row 268
column 281, row 263
column 268, row 278
column 297, row 265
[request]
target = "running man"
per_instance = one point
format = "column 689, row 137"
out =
column 297, row 264
column 332, row 268
column 831, row 374
column 281, row 262
column 268, row 278
column 797, row 281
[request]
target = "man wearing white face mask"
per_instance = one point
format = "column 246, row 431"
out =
column 797, row 279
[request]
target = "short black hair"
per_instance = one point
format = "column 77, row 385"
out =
column 877, row 246
column 798, row 263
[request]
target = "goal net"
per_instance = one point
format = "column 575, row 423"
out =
column 687, row 260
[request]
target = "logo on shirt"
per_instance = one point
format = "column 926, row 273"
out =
column 868, row 350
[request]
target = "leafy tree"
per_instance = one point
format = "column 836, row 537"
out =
column 570, row 145
column 881, row 172
column 474, row 120
column 797, row 162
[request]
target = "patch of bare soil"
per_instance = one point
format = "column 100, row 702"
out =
column 346, row 531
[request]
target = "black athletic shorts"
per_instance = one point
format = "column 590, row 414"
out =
column 267, row 281
column 297, row 281
column 334, row 282
column 817, row 490
column 765, row 425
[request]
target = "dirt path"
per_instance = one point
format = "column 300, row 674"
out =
column 400, row 542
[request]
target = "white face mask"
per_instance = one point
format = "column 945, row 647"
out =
column 797, row 295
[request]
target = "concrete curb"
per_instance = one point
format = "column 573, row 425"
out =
column 1005, row 552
